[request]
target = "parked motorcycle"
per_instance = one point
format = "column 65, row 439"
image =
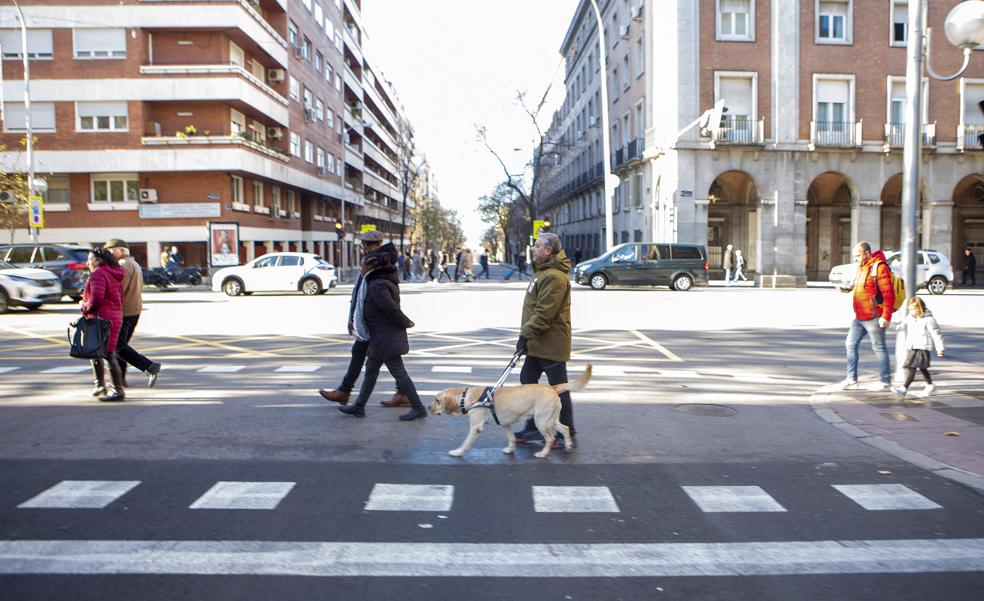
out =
column 162, row 278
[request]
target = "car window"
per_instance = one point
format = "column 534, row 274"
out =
column 288, row 261
column 21, row 254
column 6, row 265
column 922, row 259
column 78, row 254
column 53, row 253
column 934, row 259
column 686, row 252
column 895, row 261
column 265, row 262
column 627, row 253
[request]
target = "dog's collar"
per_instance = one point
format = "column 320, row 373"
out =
column 486, row 400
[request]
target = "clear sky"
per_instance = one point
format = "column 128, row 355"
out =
column 458, row 63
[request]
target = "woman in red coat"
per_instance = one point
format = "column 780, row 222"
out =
column 103, row 297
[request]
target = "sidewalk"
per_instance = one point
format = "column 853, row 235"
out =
column 943, row 433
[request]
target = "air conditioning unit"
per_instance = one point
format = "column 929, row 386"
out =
column 298, row 51
column 580, row 135
column 275, row 133
column 322, row 171
column 309, row 115
column 623, row 31
column 148, row 195
column 592, row 121
column 637, row 9
column 275, row 74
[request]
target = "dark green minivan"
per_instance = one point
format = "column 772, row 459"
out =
column 679, row 266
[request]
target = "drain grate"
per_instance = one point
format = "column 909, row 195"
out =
column 706, row 410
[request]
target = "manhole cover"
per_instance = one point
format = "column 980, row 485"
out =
column 707, row 410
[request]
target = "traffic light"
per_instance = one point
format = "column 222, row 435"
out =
column 338, row 226
column 546, row 225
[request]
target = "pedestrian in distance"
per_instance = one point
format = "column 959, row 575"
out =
column 406, row 264
column 969, row 268
column 415, row 267
column 103, row 297
column 379, row 321
column 132, row 308
column 922, row 337
column 468, row 262
column 432, row 264
column 458, row 264
column 443, row 266
column 739, row 267
column 728, row 263
column 165, row 258
column 545, row 329
column 483, row 260
column 373, row 255
column 874, row 300
column 577, row 256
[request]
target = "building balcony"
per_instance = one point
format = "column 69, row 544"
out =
column 352, row 44
column 381, row 158
column 214, row 141
column 381, row 106
column 171, row 70
column 970, row 137
column 352, row 81
column 631, row 151
column 741, row 132
column 834, row 134
column 353, row 158
column 895, row 136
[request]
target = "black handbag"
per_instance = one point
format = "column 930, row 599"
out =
column 88, row 337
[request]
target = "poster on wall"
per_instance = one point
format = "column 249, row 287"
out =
column 223, row 244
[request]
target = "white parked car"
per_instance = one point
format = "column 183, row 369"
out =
column 277, row 272
column 933, row 271
column 27, row 287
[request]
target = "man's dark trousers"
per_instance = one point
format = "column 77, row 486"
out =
column 124, row 352
column 533, row 368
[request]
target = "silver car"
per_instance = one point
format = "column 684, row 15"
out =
column 933, row 271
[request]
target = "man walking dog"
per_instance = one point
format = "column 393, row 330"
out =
column 545, row 329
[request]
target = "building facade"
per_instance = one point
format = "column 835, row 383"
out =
column 153, row 118
column 809, row 157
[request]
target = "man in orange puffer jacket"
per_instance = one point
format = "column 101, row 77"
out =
column 873, row 283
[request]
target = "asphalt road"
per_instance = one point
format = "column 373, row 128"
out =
column 702, row 473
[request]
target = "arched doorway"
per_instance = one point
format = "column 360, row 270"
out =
column 828, row 223
column 968, row 220
column 731, row 218
column 891, row 214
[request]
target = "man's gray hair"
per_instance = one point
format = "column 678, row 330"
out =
column 552, row 240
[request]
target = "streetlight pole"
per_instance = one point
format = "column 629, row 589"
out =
column 27, row 115
column 611, row 180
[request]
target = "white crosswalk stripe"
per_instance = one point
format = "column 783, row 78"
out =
column 573, row 499
column 68, row 369
column 221, row 369
column 881, row 497
column 244, row 495
column 4, row 370
column 728, row 499
column 410, row 497
column 298, row 368
column 80, row 494
column 680, row 374
column 452, row 369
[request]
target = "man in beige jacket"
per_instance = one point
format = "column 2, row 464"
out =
column 132, row 307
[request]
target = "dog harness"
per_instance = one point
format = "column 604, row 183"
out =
column 486, row 400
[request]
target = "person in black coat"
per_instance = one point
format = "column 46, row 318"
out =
column 381, row 320
column 969, row 268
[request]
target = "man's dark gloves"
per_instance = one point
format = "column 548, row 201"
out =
column 521, row 345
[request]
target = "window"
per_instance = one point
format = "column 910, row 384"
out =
column 308, row 99
column 319, row 109
column 338, row 41
column 258, row 194
column 58, row 190
column 734, row 20
column 294, row 88
column 338, row 84
column 107, row 188
column 626, row 74
column 257, row 132
column 330, row 119
column 295, row 144
column 319, row 13
column 330, row 29
column 971, row 113
column 320, row 157
column 319, row 61
column 308, row 151
column 740, row 94
column 640, row 56
column 331, row 163
column 38, row 43
column 237, row 189
column 833, row 109
column 307, row 4
column 897, row 98
column 614, row 83
column 100, row 43
column 833, row 25
column 306, row 48
column 291, row 261
column 42, row 116
column 328, row 73
column 291, row 201
column 101, row 116
column 900, row 21
column 292, row 34
column 275, row 196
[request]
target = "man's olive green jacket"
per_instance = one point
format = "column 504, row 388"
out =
column 547, row 310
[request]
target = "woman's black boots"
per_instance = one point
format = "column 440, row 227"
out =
column 99, row 378
column 117, row 374
column 356, row 409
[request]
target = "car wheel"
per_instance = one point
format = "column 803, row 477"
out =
column 682, row 283
column 4, row 304
column 937, row 284
column 599, row 281
column 311, row 286
column 232, row 287
column 76, row 299
column 32, row 306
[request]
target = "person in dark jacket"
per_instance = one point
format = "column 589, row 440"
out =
column 378, row 319
column 103, row 297
column 969, row 268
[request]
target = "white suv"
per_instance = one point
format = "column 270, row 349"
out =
column 26, row 287
column 277, row 272
column 933, row 271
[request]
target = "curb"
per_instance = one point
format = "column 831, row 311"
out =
column 822, row 407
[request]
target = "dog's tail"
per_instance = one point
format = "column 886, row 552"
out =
column 577, row 384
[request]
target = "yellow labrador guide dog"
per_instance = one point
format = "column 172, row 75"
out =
column 511, row 404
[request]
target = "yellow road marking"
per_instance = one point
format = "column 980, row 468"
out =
column 60, row 341
column 226, row 347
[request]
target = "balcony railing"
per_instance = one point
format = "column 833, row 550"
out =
column 835, row 133
column 213, row 70
column 970, row 137
column 741, row 132
column 895, row 135
column 249, row 7
column 630, row 151
column 215, row 141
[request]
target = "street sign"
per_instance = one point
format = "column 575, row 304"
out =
column 36, row 216
column 368, row 227
column 537, row 226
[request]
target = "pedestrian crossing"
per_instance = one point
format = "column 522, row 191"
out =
column 246, row 495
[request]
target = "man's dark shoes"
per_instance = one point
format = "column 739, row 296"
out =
column 397, row 400
column 152, row 372
column 336, row 396
column 353, row 410
column 414, row 414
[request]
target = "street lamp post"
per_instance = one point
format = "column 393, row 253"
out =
column 27, row 115
column 611, row 180
column 964, row 28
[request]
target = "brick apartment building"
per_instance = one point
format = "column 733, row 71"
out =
column 153, row 118
column 809, row 159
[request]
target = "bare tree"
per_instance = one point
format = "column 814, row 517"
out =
column 14, row 203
